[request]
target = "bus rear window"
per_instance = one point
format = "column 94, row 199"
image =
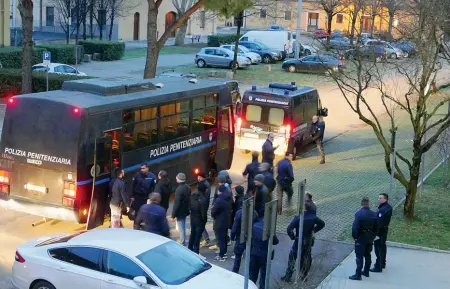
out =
column 253, row 113
column 276, row 116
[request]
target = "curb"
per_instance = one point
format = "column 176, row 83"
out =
column 414, row 247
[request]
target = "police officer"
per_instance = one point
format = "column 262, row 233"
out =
column 164, row 188
column 308, row 200
column 239, row 247
column 142, row 185
column 201, row 178
column 262, row 195
column 384, row 215
column 285, row 177
column 181, row 206
column 311, row 225
column 258, row 254
column 268, row 150
column 317, row 131
column 153, row 216
column 269, row 180
column 198, row 217
column 221, row 212
column 364, row 230
column 117, row 197
column 251, row 170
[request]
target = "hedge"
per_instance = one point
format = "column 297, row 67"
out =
column 63, row 53
column 11, row 57
column 217, row 40
column 11, row 81
column 109, row 50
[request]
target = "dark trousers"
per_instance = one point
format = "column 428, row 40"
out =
column 363, row 250
column 238, row 252
column 258, row 264
column 280, row 189
column 221, row 235
column 195, row 237
column 305, row 260
column 139, row 201
column 319, row 144
column 381, row 248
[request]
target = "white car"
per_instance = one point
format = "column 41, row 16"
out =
column 255, row 58
column 58, row 68
column 115, row 259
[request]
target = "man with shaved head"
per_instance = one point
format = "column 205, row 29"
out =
column 152, row 217
column 317, row 131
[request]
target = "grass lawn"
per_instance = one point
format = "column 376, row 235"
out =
column 431, row 226
column 142, row 52
column 256, row 75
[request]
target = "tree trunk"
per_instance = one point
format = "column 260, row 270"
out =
column 91, row 19
column 329, row 23
column 352, row 29
column 26, row 12
column 181, row 35
column 391, row 23
column 236, row 44
column 373, row 25
column 100, row 27
column 152, row 42
column 113, row 12
column 411, row 190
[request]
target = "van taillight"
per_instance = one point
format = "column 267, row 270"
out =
column 70, row 190
column 4, row 177
column 19, row 258
column 238, row 124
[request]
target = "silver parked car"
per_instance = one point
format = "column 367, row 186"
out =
column 254, row 58
column 219, row 57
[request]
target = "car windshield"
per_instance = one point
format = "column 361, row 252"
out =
column 263, row 46
column 173, row 264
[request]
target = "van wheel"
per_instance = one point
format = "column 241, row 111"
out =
column 43, row 285
column 267, row 59
column 201, row 63
column 292, row 68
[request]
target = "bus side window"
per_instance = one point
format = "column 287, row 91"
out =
column 204, row 119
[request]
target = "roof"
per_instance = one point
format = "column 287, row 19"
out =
column 89, row 92
column 281, row 92
column 127, row 241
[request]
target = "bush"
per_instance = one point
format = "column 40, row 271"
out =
column 217, row 40
column 11, row 57
column 109, row 50
column 63, row 53
column 11, row 81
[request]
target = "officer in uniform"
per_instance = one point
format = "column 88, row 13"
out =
column 311, row 225
column 268, row 150
column 143, row 184
column 308, row 200
column 384, row 215
column 285, row 178
column 364, row 230
column 251, row 170
column 258, row 254
column 317, row 131
column 153, row 216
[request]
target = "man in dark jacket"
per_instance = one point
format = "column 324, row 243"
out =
column 251, row 170
column 268, row 150
column 285, row 177
column 317, row 131
column 117, row 197
column 238, row 200
column 239, row 247
column 181, row 206
column 198, row 217
column 311, row 225
column 364, row 230
column 384, row 215
column 142, row 185
column 312, row 205
column 266, row 170
column 262, row 195
column 258, row 254
column 201, row 178
column 221, row 212
column 164, row 188
column 153, row 216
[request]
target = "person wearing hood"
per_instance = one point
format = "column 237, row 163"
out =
column 251, row 170
column 221, row 212
column 262, row 195
column 269, row 180
column 164, row 188
column 198, row 217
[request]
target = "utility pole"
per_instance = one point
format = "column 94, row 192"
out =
column 297, row 34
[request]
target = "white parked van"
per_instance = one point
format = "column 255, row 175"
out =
column 280, row 40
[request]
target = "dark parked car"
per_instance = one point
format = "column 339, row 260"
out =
column 268, row 55
column 338, row 42
column 374, row 53
column 407, row 47
column 313, row 64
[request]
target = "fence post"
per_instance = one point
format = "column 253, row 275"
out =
column 270, row 223
column 301, row 213
column 246, row 235
column 393, row 157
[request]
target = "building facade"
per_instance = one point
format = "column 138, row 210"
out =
column 4, row 23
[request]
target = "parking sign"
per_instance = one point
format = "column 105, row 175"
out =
column 46, row 58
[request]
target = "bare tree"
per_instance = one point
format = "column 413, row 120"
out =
column 392, row 6
column 182, row 6
column 63, row 14
column 354, row 8
column 26, row 13
column 331, row 7
column 117, row 9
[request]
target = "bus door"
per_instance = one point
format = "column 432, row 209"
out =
column 225, row 139
column 101, row 175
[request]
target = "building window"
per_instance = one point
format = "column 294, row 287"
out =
column 263, row 13
column 287, row 15
column 339, row 18
column 202, row 19
column 50, row 19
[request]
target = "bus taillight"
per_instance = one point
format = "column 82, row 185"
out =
column 196, row 171
column 238, row 124
column 70, row 190
column 288, row 130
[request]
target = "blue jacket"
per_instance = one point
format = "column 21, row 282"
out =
column 221, row 211
column 117, row 193
column 269, row 181
column 207, row 196
column 365, row 225
column 142, row 185
column 313, row 208
column 317, row 130
column 268, row 152
column 154, row 218
column 251, row 170
column 311, row 224
column 260, row 247
column 262, row 196
column 236, row 229
column 384, row 215
column 285, row 172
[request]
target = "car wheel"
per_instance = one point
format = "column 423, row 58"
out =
column 292, row 68
column 267, row 59
column 405, row 54
column 393, row 56
column 237, row 65
column 43, row 285
column 201, row 63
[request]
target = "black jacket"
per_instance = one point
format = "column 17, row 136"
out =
column 311, row 224
column 261, row 198
column 365, row 226
column 154, row 220
column 285, row 172
column 251, row 170
column 117, row 193
column 221, row 211
column 207, row 196
column 384, row 215
column 198, row 209
column 317, row 130
column 181, row 204
column 269, row 181
column 164, row 187
column 142, row 185
column 268, row 152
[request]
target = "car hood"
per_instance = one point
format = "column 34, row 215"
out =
column 271, row 51
column 252, row 54
column 216, row 278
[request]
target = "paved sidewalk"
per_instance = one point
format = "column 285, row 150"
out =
column 406, row 269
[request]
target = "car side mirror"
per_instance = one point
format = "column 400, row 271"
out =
column 140, row 281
